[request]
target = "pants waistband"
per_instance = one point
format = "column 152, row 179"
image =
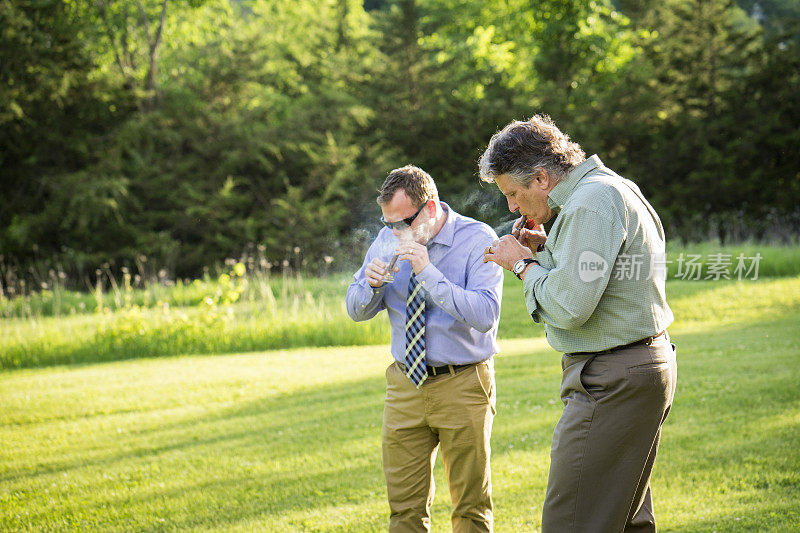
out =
column 647, row 341
column 438, row 370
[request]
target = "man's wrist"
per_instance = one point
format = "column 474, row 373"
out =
column 521, row 265
column 527, row 267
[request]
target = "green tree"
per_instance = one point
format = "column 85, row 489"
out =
column 439, row 90
column 702, row 54
column 53, row 114
column 132, row 33
column 764, row 133
column 251, row 121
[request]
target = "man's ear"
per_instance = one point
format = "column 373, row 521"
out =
column 542, row 179
column 430, row 207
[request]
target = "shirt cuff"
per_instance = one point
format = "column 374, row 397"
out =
column 372, row 293
column 377, row 291
column 429, row 277
column 534, row 273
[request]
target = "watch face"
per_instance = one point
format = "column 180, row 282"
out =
column 519, row 266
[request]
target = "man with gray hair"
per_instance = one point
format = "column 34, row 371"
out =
column 443, row 304
column 598, row 284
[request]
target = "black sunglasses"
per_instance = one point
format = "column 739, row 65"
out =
column 406, row 222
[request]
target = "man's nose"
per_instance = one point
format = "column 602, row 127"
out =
column 512, row 206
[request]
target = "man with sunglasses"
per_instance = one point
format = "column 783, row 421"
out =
column 444, row 307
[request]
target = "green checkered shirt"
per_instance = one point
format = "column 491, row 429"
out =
column 601, row 279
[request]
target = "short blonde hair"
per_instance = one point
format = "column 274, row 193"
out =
column 417, row 184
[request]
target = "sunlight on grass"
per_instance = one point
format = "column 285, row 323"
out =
column 289, row 440
column 711, row 302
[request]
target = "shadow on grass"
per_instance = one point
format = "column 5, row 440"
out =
column 292, row 416
column 733, row 431
column 291, row 452
column 319, row 447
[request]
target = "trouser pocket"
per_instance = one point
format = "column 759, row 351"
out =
column 485, row 374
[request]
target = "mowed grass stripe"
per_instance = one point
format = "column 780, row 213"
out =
column 290, row 440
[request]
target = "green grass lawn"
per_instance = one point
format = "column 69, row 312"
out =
column 244, row 311
column 290, row 440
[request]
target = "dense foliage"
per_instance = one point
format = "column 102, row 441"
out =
column 182, row 132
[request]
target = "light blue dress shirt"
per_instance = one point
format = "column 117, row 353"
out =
column 462, row 293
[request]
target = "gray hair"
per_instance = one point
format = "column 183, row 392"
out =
column 522, row 149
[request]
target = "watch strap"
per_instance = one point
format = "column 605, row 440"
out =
column 526, row 261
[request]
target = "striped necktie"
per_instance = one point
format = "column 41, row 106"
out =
column 416, row 369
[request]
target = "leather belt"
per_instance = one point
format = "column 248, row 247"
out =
column 646, row 341
column 439, row 370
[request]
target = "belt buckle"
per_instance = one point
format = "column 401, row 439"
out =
column 444, row 369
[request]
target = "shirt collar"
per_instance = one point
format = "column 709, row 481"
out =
column 445, row 235
column 563, row 189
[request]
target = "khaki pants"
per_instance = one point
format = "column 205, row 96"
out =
column 606, row 441
column 455, row 411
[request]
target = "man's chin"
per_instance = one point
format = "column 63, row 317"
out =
column 422, row 236
column 540, row 220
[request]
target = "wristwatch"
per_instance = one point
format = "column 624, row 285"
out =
column 519, row 266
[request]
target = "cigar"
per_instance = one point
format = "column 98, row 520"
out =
column 527, row 224
column 389, row 276
column 392, row 262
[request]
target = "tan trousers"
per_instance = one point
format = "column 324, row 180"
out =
column 456, row 412
column 606, row 441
